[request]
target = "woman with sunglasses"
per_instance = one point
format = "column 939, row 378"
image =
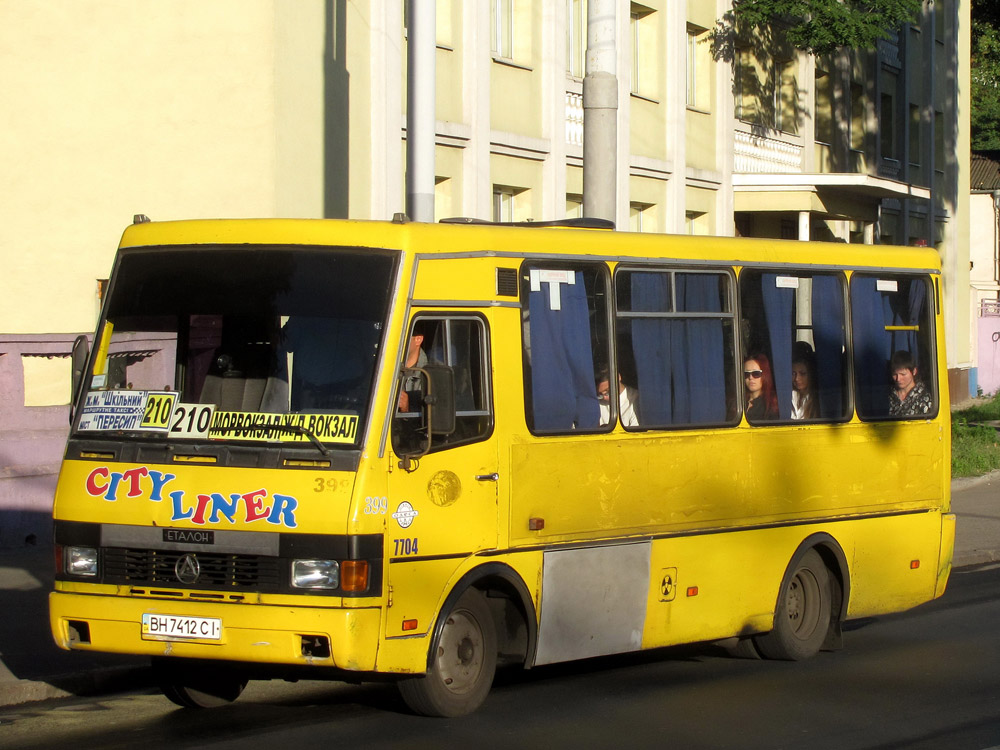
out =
column 761, row 396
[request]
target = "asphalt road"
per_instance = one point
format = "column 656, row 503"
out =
column 925, row 679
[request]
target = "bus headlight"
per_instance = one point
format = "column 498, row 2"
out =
column 315, row 574
column 81, row 561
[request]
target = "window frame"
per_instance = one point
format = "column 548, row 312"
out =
column 446, row 317
column 847, row 380
column 731, row 314
column 603, row 275
column 927, row 365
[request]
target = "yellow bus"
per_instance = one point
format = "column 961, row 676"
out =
column 365, row 450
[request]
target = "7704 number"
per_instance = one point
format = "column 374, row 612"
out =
column 405, row 546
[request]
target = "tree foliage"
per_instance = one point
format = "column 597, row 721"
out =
column 822, row 26
column 985, row 75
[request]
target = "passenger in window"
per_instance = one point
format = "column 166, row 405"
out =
column 627, row 399
column 804, row 400
column 761, row 397
column 909, row 397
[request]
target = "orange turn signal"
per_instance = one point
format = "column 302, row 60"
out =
column 409, row 625
column 914, row 564
column 354, row 575
column 692, row 591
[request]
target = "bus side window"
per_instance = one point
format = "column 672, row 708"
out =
column 796, row 321
column 566, row 344
column 893, row 330
column 676, row 345
column 460, row 343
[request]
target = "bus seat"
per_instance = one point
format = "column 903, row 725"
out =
column 237, row 379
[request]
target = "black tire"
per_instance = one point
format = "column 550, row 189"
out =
column 462, row 668
column 803, row 616
column 194, row 688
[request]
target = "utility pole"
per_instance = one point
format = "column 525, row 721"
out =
column 600, row 112
column 421, row 48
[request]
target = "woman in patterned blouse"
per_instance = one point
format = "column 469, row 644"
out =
column 909, row 397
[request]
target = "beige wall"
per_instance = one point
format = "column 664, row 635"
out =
column 114, row 108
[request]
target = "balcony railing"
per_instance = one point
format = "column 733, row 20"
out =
column 754, row 154
column 574, row 118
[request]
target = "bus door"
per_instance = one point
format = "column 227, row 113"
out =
column 442, row 494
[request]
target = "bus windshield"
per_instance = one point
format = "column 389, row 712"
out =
column 240, row 343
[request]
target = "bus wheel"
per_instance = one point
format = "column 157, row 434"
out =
column 194, row 689
column 802, row 619
column 461, row 670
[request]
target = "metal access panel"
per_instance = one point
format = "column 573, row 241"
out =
column 593, row 602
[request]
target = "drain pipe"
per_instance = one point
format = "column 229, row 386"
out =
column 421, row 48
column 996, row 237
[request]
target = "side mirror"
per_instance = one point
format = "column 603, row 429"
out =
column 440, row 399
column 436, row 396
column 79, row 356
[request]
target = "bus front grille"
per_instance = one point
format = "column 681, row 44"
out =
column 145, row 567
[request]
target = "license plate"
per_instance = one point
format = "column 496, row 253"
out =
column 177, row 628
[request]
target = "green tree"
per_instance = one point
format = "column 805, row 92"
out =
column 985, row 75
column 820, row 26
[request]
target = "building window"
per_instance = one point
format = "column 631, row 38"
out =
column 511, row 204
column 914, row 147
column 503, row 28
column 767, row 91
column 698, row 68
column 787, row 96
column 938, row 142
column 640, row 217
column 696, row 222
column 887, row 117
column 641, row 35
column 857, row 117
column 939, row 13
column 503, row 204
column 887, row 127
column 824, row 107
column 576, row 37
column 574, row 206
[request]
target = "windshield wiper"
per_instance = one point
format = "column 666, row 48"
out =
column 295, row 429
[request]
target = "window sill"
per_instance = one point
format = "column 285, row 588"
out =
column 649, row 99
column 510, row 63
column 697, row 110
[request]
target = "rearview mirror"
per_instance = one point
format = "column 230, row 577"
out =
column 79, row 356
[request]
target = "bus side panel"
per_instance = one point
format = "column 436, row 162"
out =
column 895, row 564
column 713, row 586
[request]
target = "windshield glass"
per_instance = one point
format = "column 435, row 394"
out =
column 248, row 343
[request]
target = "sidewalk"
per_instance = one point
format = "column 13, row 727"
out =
column 32, row 668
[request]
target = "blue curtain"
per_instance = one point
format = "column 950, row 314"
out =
column 653, row 349
column 906, row 310
column 828, row 336
column 564, row 395
column 680, row 364
column 872, row 347
column 778, row 305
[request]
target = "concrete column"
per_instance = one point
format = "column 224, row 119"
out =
column 804, row 226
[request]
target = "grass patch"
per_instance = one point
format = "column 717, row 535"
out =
column 975, row 449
